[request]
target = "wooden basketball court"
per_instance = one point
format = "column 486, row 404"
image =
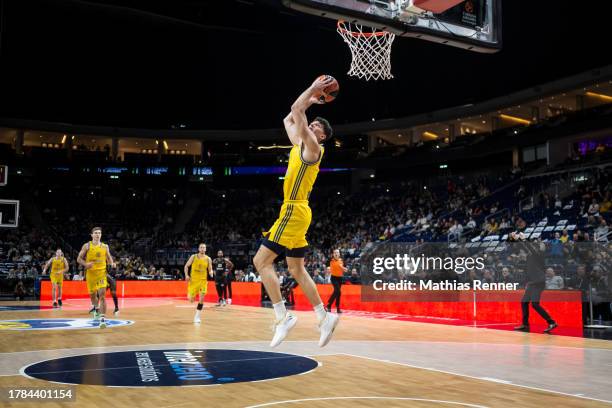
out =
column 370, row 362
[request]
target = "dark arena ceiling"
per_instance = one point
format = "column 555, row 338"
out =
column 239, row 64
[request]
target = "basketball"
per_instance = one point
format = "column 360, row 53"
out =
column 330, row 92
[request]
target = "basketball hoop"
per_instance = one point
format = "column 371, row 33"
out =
column 370, row 50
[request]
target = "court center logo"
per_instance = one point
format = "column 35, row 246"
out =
column 162, row 368
column 58, row 324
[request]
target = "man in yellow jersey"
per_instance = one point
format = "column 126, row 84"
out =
column 59, row 266
column 201, row 269
column 288, row 234
column 94, row 256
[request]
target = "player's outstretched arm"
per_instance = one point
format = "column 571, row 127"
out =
column 291, row 129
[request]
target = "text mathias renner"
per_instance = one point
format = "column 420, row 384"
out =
column 443, row 285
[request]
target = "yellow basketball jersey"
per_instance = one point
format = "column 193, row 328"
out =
column 199, row 267
column 300, row 176
column 57, row 265
column 97, row 255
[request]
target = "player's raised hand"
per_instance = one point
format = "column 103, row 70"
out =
column 318, row 88
column 322, row 82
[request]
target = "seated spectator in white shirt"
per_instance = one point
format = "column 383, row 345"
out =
column 455, row 230
column 317, row 278
column 471, row 223
column 593, row 208
column 553, row 281
column 504, row 224
column 250, row 277
column 601, row 232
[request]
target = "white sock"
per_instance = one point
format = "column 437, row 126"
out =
column 198, row 312
column 320, row 311
column 279, row 310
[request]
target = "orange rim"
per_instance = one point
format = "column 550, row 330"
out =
column 358, row 34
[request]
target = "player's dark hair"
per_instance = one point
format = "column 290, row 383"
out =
column 329, row 132
column 94, row 229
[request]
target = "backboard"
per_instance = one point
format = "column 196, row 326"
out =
column 473, row 25
column 9, row 213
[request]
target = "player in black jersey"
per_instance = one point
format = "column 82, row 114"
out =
column 221, row 266
column 112, row 285
column 229, row 277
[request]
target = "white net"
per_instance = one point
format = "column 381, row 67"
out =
column 370, row 50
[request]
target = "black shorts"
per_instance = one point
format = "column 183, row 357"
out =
column 280, row 250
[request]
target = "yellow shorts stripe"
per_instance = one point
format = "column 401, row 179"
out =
column 298, row 181
column 283, row 224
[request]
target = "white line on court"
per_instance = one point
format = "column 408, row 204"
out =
column 476, row 378
column 463, row 404
column 264, row 343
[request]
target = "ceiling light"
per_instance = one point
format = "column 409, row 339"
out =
column 599, row 95
column 515, row 119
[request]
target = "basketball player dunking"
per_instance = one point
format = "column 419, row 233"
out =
column 288, row 234
column 59, row 266
column 201, row 268
column 94, row 256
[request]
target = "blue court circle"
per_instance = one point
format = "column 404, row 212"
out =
column 163, row 368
